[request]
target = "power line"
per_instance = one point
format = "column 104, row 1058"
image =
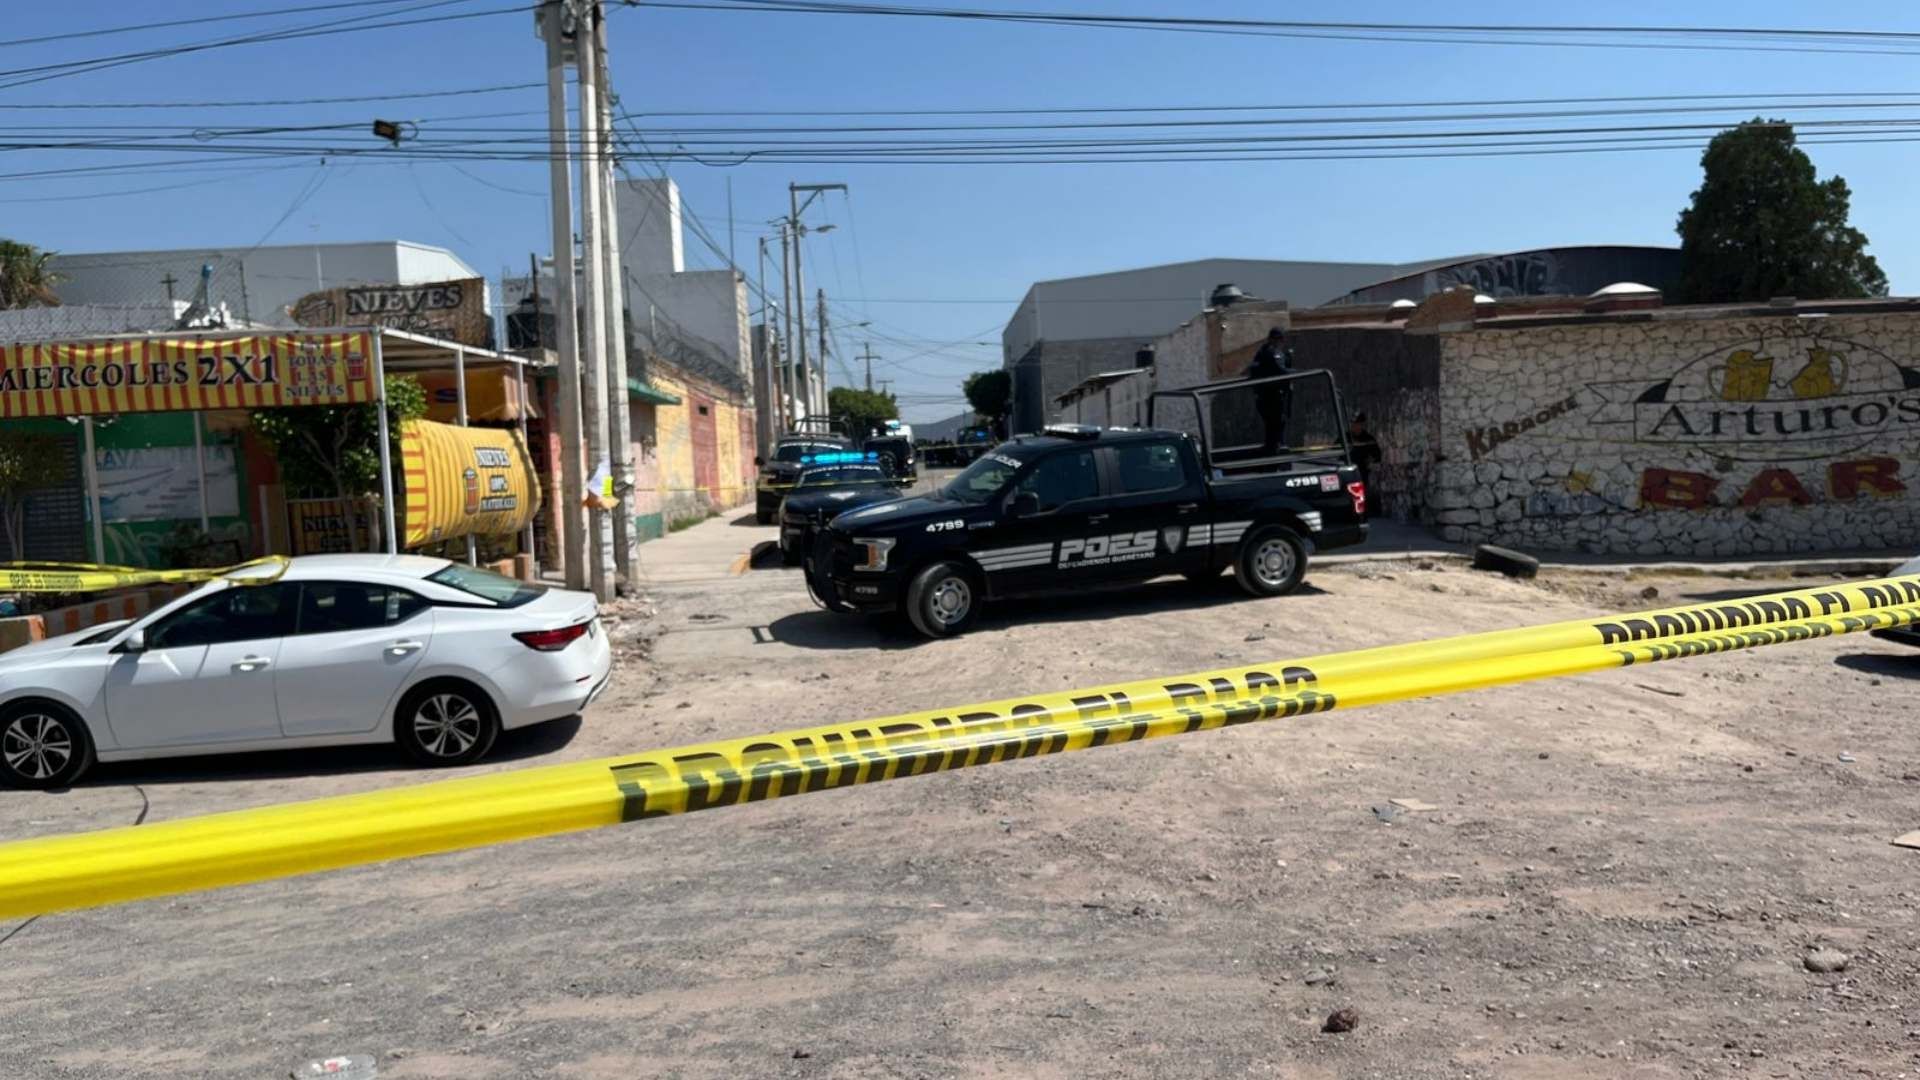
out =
column 96, row 106
column 1294, row 107
column 1689, row 38
column 171, row 24
column 357, row 24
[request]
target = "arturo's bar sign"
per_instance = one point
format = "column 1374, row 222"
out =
column 83, row 378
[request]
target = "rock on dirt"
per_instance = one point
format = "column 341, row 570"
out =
column 1341, row 1020
column 1825, row 961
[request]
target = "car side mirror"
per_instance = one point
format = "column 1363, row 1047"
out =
column 135, row 642
column 1025, row 504
column 758, row 461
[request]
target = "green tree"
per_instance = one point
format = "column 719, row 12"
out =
column 991, row 395
column 28, row 462
column 863, row 410
column 1763, row 224
column 25, row 280
column 333, row 451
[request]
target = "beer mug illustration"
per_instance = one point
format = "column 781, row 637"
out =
column 1744, row 377
column 472, row 477
column 1820, row 378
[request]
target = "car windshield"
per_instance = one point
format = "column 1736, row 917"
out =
column 792, row 452
column 983, row 479
column 487, row 585
column 848, row 474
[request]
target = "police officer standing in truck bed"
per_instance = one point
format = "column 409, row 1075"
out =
column 1275, row 401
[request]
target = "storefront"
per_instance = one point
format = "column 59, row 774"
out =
column 156, row 431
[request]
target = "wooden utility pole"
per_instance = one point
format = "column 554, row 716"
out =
column 867, row 355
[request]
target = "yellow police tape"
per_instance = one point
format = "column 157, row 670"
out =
column 57, row 577
column 113, row 865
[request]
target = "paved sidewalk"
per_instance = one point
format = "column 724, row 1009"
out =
column 710, row 551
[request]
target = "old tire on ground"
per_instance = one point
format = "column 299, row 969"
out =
column 43, row 745
column 1272, row 562
column 942, row 600
column 445, row 722
column 1506, row 561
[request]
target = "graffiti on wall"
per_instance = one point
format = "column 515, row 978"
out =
column 1530, row 273
column 1723, row 436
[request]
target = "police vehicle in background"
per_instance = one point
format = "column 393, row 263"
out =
column 1245, row 490
column 778, row 472
column 831, row 483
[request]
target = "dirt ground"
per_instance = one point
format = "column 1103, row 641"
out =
column 1621, row 878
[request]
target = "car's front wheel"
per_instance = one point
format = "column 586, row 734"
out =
column 446, row 722
column 942, row 600
column 42, row 745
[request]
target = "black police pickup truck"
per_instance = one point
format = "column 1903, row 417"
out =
column 1078, row 507
column 830, row 484
column 790, row 454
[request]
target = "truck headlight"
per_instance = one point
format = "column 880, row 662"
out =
column 876, row 549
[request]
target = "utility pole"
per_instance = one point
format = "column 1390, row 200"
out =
column 868, row 356
column 592, row 240
column 788, row 356
column 769, row 350
column 169, row 281
column 620, row 416
column 553, row 16
column 794, row 206
column 822, row 366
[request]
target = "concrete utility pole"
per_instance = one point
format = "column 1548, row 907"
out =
column 770, row 368
column 789, row 356
column 815, row 387
column 553, row 16
column 620, row 415
column 822, row 366
column 868, row 356
column 592, row 227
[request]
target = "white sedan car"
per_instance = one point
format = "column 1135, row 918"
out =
column 435, row 656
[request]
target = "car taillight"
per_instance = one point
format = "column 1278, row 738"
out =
column 1358, row 490
column 551, row 640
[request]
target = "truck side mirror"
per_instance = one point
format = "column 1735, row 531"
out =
column 1025, row 504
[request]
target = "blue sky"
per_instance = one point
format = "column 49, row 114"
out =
column 933, row 256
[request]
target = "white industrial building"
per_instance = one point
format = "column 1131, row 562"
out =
column 1069, row 329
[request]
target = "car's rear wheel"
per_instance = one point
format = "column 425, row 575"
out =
column 42, row 745
column 942, row 600
column 1272, row 562
column 446, row 722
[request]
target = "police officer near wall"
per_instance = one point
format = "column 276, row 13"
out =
column 1275, row 401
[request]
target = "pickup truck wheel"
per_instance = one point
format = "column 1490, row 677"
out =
column 942, row 600
column 1272, row 562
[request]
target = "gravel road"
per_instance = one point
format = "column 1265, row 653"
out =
column 1614, row 875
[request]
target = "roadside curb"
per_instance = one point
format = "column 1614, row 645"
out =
column 1867, row 566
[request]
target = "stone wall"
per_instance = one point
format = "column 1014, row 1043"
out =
column 1683, row 433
